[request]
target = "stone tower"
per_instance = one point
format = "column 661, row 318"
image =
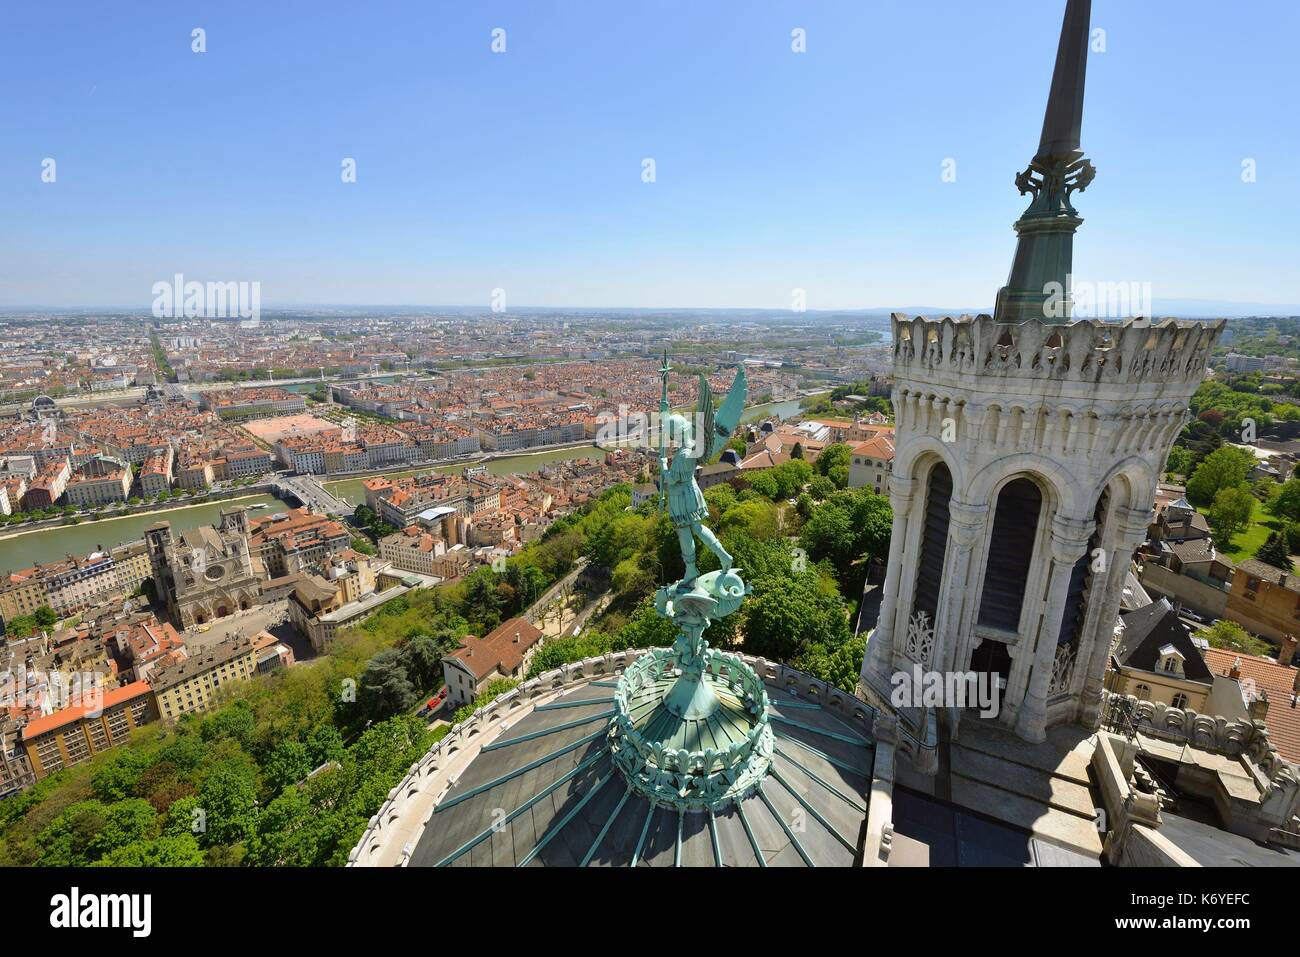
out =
column 1027, row 454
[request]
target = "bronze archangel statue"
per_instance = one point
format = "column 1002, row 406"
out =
column 677, row 483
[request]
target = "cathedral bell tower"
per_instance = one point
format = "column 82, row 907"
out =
column 1028, row 449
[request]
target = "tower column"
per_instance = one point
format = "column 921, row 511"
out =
column 1069, row 542
column 1130, row 531
column 879, row 662
column 966, row 524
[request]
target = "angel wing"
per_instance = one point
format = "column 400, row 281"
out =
column 720, row 425
column 704, row 416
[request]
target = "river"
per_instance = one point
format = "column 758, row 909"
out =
column 353, row 490
column 768, row 409
column 45, row 545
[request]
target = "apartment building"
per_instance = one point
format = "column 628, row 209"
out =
column 195, row 473
column 193, row 685
column 99, row 481
column 445, row 442
column 156, row 472
column 296, row 541
column 413, row 549
column 508, row 435
column 1157, row 659
column 253, row 403
column 144, row 645
column 400, row 501
column 305, row 455
column 1265, row 600
column 344, row 457
column 75, row 734
column 73, row 584
column 48, row 485
column 243, row 461
column 871, row 463
column 15, row 487
column 15, row 769
column 320, row 606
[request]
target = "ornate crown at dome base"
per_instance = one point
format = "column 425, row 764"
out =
column 684, row 758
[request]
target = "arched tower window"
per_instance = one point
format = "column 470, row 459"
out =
column 1082, row 578
column 934, row 542
column 1011, row 551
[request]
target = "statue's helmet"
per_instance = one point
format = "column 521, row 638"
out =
column 681, row 431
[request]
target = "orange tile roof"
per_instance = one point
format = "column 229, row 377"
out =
column 498, row 650
column 75, row 713
column 1283, row 718
column 880, row 447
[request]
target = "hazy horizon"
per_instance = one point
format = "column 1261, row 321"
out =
column 776, row 172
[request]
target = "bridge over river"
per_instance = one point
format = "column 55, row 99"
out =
column 308, row 490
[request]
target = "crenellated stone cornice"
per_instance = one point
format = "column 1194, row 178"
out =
column 1153, row 356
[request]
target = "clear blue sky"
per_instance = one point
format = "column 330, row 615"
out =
column 775, row 170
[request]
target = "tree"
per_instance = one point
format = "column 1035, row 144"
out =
column 821, row 488
column 235, row 721
column 791, row 477
column 834, row 463
column 385, row 689
column 839, row 666
column 88, row 830
column 180, row 817
column 494, row 690
column 287, row 833
column 325, row 744
column 1286, row 503
column 797, row 451
column 788, row 616
column 850, row 525
column 168, row 850
column 120, row 773
column 423, row 660
column 1230, row 635
column 1230, row 513
column 765, row 484
column 1275, row 552
column 1180, row 460
column 756, row 519
column 288, row 764
column 632, row 579
column 228, row 797
column 1225, row 467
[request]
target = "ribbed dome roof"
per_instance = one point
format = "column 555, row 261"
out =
column 544, row 789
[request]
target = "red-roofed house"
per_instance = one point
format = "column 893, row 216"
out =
column 503, row 653
column 1265, row 677
column 872, row 461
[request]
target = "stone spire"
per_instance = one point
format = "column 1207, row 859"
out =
column 1064, row 118
column 1038, row 287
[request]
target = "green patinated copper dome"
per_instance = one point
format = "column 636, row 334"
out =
column 550, row 787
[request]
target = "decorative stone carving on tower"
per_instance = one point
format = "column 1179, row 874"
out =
column 1028, row 449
